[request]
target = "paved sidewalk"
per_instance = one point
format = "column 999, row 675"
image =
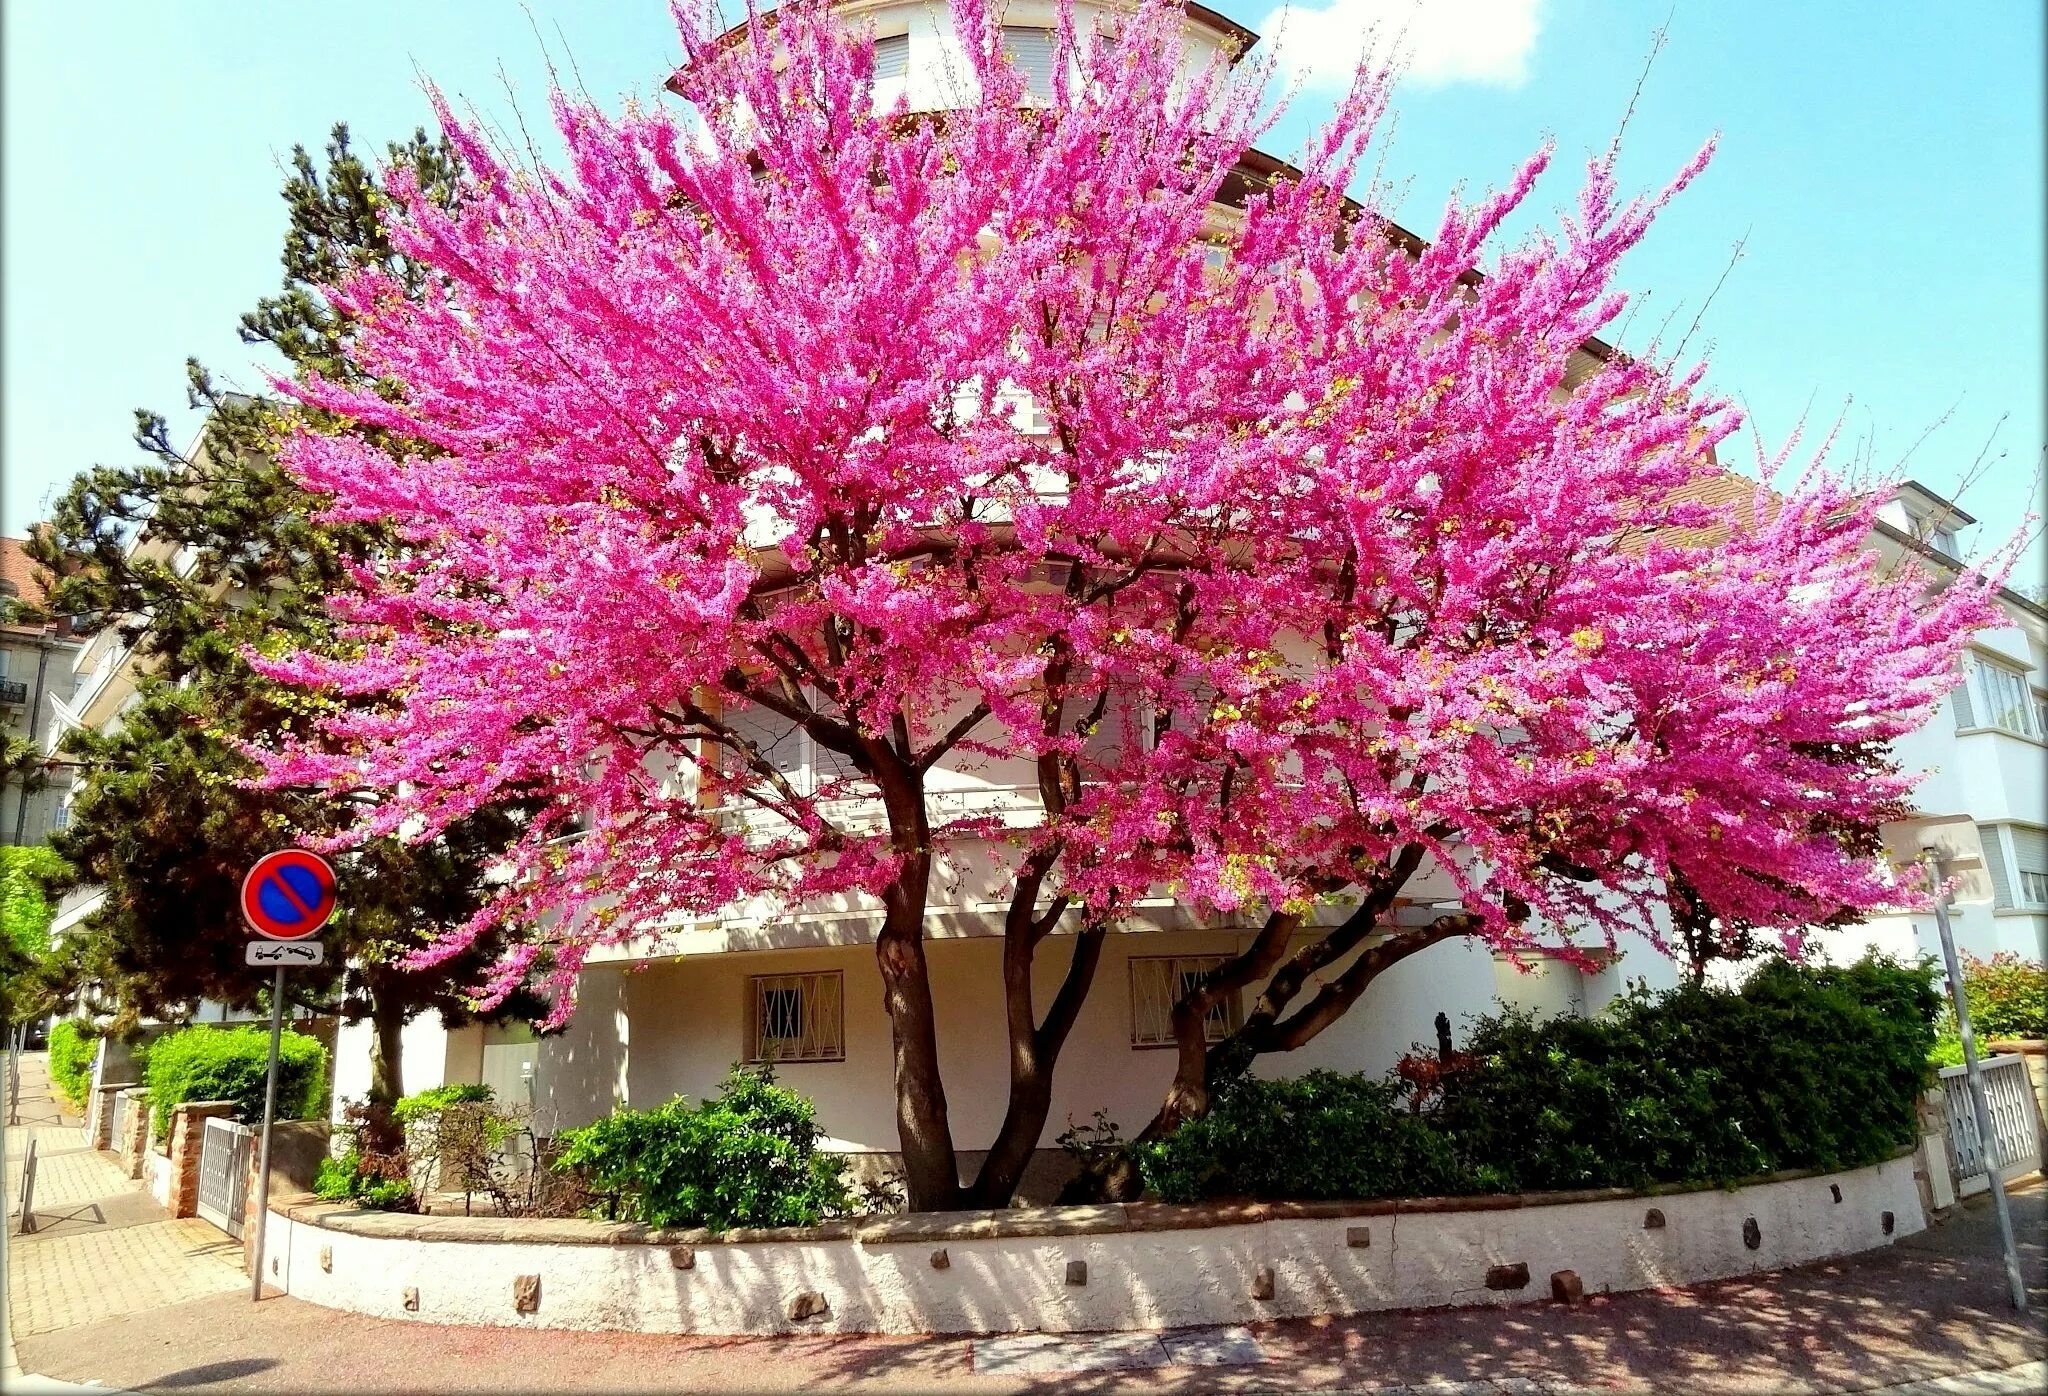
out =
column 101, row 1246
column 1932, row 1307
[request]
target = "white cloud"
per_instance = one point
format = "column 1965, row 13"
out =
column 1435, row 42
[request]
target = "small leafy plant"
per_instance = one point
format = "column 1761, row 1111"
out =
column 746, row 1157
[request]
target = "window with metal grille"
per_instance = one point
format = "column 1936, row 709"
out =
column 892, row 56
column 1160, row 981
column 1031, row 53
column 796, row 1017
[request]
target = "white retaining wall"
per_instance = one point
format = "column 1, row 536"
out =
column 1134, row 1278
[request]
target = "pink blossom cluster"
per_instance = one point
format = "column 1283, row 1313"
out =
column 946, row 442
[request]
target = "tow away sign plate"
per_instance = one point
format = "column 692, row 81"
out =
column 288, row 953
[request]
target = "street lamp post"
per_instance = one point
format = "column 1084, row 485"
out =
column 1973, row 1072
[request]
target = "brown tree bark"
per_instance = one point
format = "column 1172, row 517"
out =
column 1034, row 1051
column 931, row 1172
column 382, row 1134
column 1203, row 1067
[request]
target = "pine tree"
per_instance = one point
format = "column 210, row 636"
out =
column 197, row 558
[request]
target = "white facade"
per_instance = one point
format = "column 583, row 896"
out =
column 672, row 1013
column 36, row 658
column 1983, row 797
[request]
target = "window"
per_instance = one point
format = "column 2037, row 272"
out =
column 1160, row 981
column 1031, row 53
column 2001, row 698
column 2030, row 856
column 892, row 57
column 796, row 1017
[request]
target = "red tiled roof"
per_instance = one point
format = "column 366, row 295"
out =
column 23, row 581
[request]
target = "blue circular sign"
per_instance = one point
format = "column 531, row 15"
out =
column 289, row 894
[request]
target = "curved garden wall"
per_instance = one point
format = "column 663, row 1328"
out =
column 1076, row 1268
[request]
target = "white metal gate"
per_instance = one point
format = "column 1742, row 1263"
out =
column 2016, row 1147
column 224, row 1174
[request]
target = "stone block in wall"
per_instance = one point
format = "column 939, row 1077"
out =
column 188, row 1128
column 133, row 1147
column 99, row 1113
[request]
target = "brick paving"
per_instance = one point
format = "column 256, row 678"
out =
column 101, row 1247
column 155, row 1304
column 86, row 1277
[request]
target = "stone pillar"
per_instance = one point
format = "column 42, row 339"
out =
column 188, row 1128
column 1931, row 1171
column 99, row 1114
column 133, row 1147
column 2035, row 1051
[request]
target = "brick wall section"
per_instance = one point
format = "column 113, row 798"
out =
column 133, row 1148
column 188, row 1128
column 296, row 1148
column 99, row 1113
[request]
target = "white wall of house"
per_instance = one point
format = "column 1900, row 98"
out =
column 647, row 1032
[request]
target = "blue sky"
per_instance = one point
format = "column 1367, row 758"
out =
column 1885, row 163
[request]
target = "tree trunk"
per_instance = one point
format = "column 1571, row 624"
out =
column 382, row 1135
column 931, row 1173
column 1204, row 1067
column 387, row 1049
column 1034, row 1053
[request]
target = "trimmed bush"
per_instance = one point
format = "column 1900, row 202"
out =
column 73, row 1045
column 1323, row 1135
column 746, row 1157
column 211, row 1063
column 1800, row 1068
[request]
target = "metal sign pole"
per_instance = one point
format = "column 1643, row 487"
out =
column 1973, row 1071
column 263, row 1148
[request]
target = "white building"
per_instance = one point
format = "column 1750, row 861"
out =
column 672, row 1013
column 36, row 675
column 1983, row 802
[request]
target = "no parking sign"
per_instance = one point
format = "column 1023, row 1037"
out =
column 288, row 895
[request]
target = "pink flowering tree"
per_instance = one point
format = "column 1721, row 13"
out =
column 1284, row 557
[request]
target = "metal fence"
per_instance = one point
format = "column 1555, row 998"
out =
column 2016, row 1142
column 224, row 1174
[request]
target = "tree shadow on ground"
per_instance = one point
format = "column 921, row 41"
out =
column 1934, row 1304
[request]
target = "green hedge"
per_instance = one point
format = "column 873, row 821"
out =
column 746, row 1157
column 1326, row 1134
column 1800, row 1068
column 72, row 1047
column 212, row 1063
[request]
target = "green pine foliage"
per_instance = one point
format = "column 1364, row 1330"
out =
column 217, row 1063
column 746, row 1157
column 73, row 1045
column 1799, row 1068
column 198, row 558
